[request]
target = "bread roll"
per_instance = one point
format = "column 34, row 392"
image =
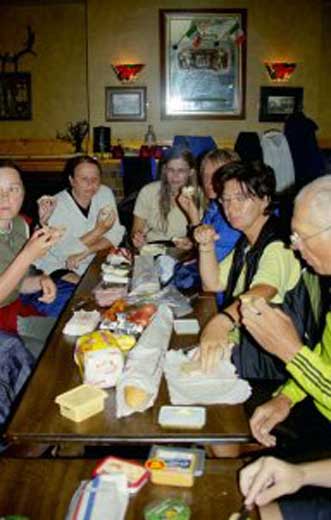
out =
column 188, row 191
column 135, row 397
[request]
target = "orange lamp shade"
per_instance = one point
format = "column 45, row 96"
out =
column 128, row 72
column 280, row 71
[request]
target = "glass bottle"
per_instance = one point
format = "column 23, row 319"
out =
column 150, row 137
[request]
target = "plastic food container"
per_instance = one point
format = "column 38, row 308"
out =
column 187, row 326
column 136, row 474
column 172, row 467
column 189, row 417
column 81, row 403
column 173, row 508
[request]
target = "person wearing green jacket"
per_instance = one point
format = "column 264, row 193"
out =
column 309, row 370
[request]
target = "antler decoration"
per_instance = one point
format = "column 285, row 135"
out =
column 12, row 59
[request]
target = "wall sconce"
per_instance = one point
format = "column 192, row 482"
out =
column 279, row 70
column 128, row 73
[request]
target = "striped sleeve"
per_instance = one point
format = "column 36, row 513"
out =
column 313, row 373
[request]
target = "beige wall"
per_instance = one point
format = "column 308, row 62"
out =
column 324, row 119
column 128, row 30
column 281, row 29
column 58, row 71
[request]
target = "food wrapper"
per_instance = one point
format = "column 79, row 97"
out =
column 119, row 256
column 223, row 385
column 99, row 358
column 106, row 496
column 105, row 296
column 144, row 366
column 145, row 279
column 82, row 322
column 102, row 368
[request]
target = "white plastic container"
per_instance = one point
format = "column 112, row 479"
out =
column 187, row 326
column 186, row 417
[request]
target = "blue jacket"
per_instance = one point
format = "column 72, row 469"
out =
column 187, row 275
column 227, row 235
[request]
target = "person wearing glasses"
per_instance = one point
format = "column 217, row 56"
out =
column 261, row 265
column 308, row 387
column 158, row 214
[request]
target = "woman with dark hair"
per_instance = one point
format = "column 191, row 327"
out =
column 261, row 265
column 157, row 213
column 87, row 212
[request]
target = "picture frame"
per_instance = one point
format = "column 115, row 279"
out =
column 126, row 103
column 15, row 96
column 277, row 103
column 203, row 63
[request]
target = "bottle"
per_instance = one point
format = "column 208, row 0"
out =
column 150, row 137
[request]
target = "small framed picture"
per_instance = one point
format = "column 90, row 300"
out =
column 125, row 103
column 15, row 96
column 277, row 103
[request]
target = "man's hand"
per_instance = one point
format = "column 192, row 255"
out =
column 73, row 261
column 267, row 479
column 271, row 328
column 214, row 342
column 48, row 288
column 266, row 416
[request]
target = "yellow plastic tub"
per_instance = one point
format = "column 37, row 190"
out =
column 82, row 402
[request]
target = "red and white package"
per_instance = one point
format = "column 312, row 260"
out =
column 135, row 473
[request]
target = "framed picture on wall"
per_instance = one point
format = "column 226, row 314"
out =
column 203, row 63
column 125, row 103
column 277, row 103
column 15, row 96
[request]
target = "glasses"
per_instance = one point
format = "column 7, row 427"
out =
column 295, row 238
column 241, row 199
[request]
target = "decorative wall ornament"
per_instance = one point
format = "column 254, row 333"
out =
column 76, row 133
column 12, row 59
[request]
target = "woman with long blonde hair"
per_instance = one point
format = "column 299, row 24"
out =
column 158, row 214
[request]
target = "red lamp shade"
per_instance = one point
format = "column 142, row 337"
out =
column 128, row 73
column 280, row 71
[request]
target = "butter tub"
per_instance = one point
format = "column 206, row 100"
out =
column 82, row 402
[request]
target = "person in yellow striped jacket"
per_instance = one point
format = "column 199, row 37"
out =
column 309, row 370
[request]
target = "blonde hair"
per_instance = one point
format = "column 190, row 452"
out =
column 219, row 156
column 165, row 191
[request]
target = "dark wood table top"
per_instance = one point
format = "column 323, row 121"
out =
column 42, row 489
column 37, row 418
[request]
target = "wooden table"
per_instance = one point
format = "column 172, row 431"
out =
column 43, row 489
column 37, row 418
